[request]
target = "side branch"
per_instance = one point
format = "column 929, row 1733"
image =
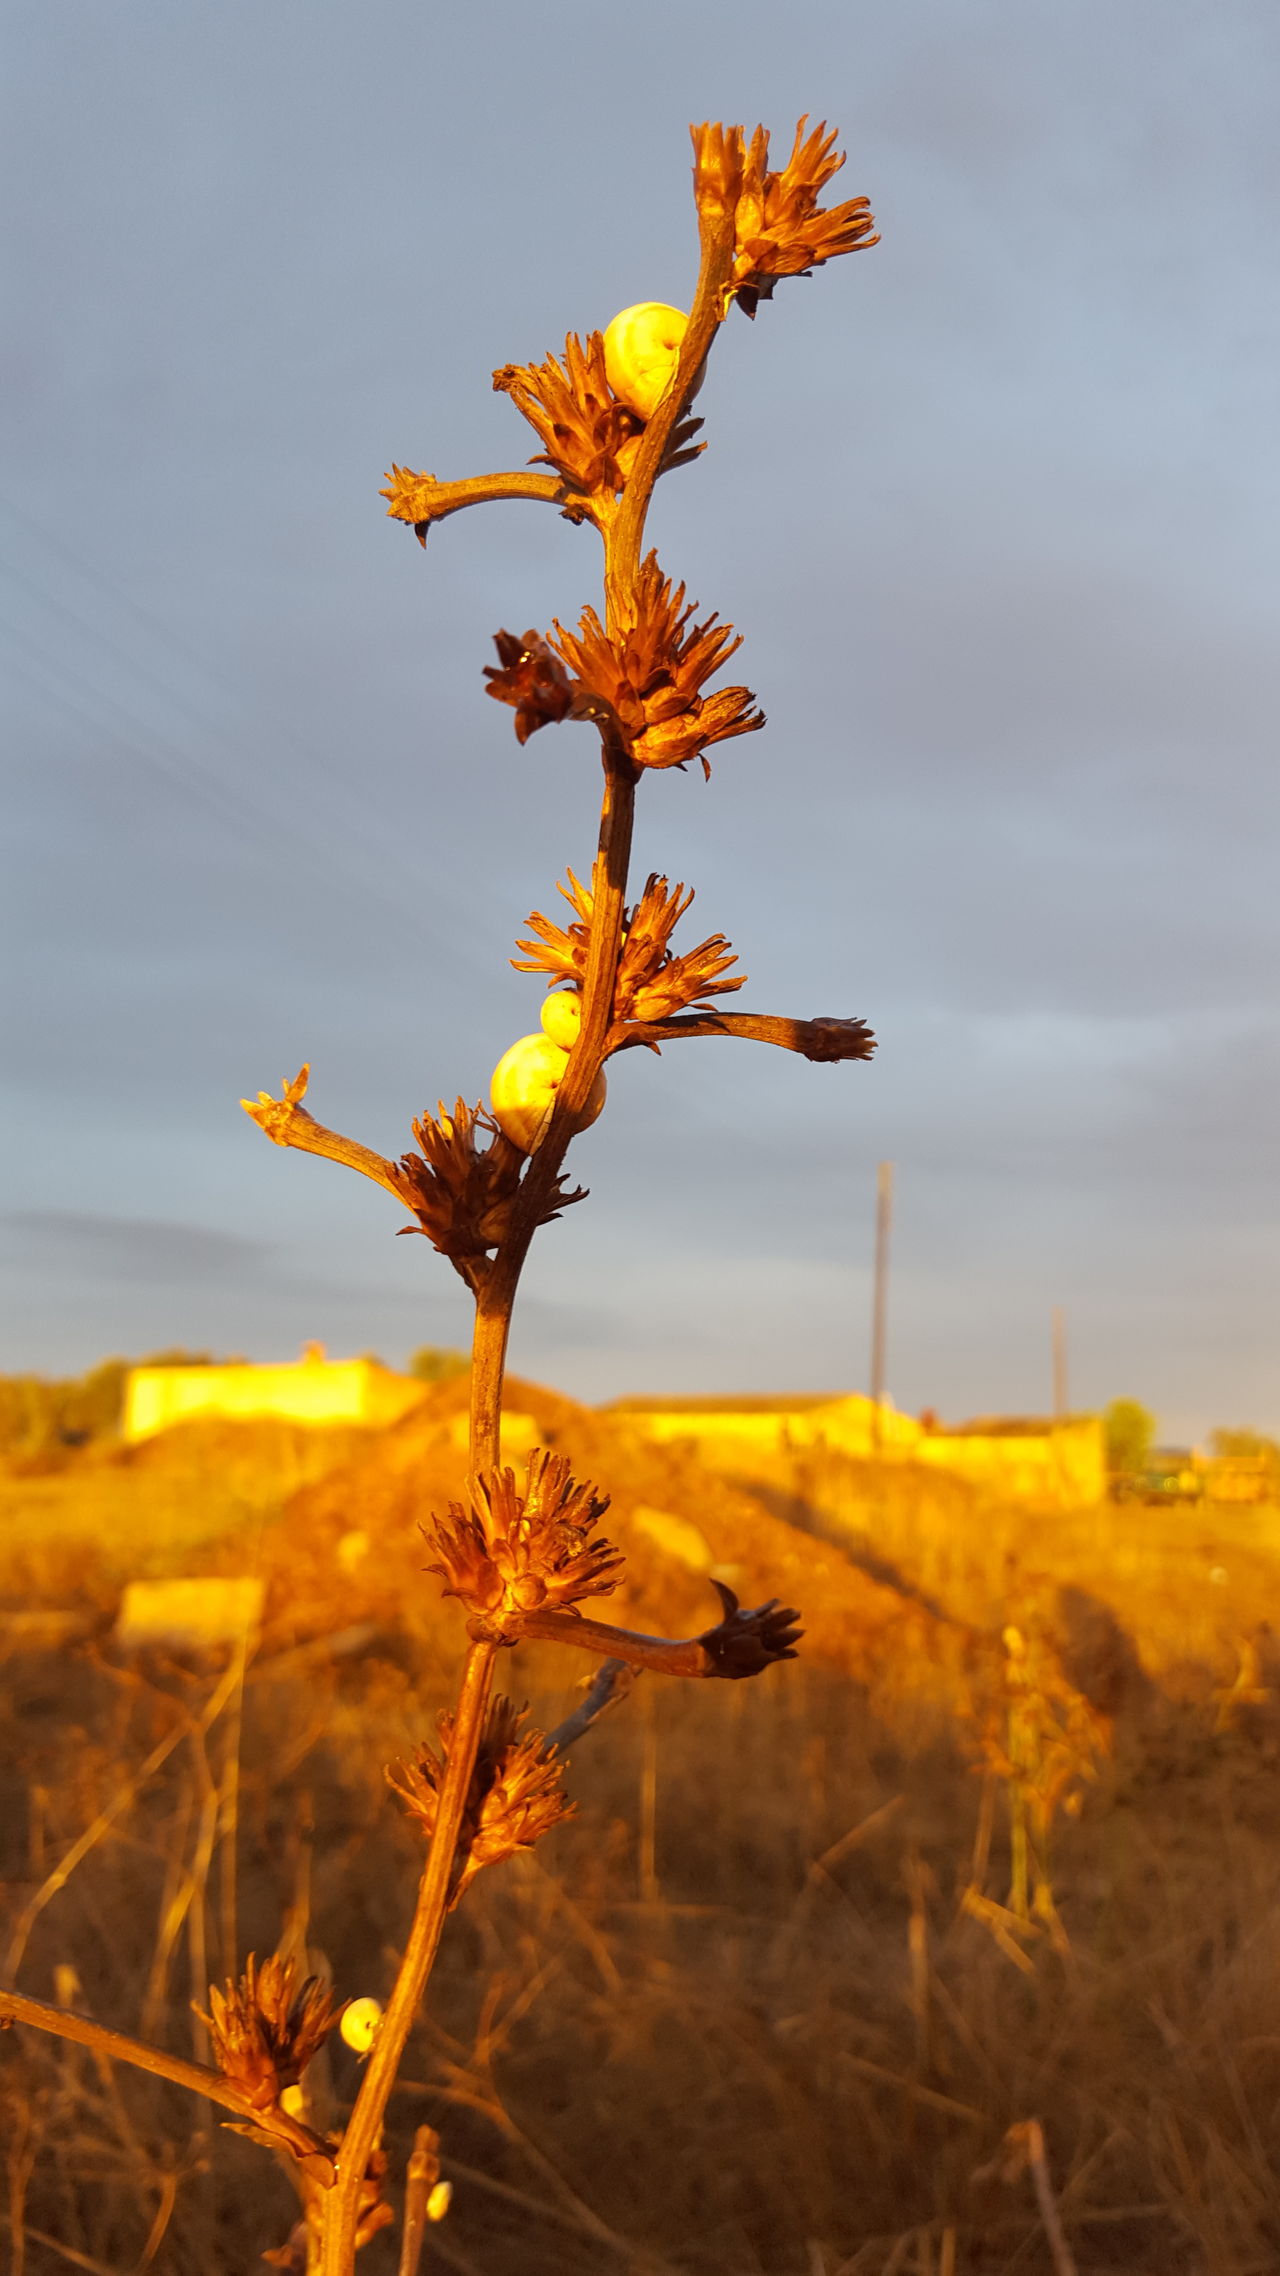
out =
column 420, row 500
column 287, row 1123
column 306, row 2146
column 608, row 1688
column 743, row 1641
column 822, row 1039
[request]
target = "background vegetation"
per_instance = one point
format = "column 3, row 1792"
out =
column 770, row 2002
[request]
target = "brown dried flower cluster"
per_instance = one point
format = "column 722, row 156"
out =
column 560, row 950
column 653, row 982
column 718, row 155
column 417, row 499
column 589, row 437
column 583, row 428
column 745, row 1640
column 515, row 1795
column 648, row 683
column 266, row 2028
column 651, row 678
column 532, row 680
column 513, row 1552
column 780, row 230
column 462, row 1192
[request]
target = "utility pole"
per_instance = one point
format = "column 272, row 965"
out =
column 1060, row 1400
column 880, row 1296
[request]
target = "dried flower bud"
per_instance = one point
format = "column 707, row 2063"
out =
column 560, row 951
column 512, row 1552
column 459, row 1190
column 717, row 168
column 515, row 1795
column 641, row 352
column 579, row 421
column 744, row 1642
column 462, row 1192
column 275, row 1116
column 266, row 2028
column 651, row 678
column 532, row 680
column 652, row 983
column 780, row 229
column 414, row 498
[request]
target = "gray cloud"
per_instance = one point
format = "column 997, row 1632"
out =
column 95, row 1247
column 991, row 505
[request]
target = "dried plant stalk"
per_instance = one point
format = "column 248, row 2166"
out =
column 521, row 1559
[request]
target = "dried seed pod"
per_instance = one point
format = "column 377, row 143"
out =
column 511, row 1551
column 522, row 1091
column 650, row 674
column 514, row 1796
column 641, row 351
column 266, row 2026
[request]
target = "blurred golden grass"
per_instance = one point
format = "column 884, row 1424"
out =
column 771, row 2040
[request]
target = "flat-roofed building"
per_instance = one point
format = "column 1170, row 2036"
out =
column 314, row 1389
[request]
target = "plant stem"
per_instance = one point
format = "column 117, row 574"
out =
column 496, row 1299
column 421, row 2173
column 342, row 2205
column 15, row 2007
column 626, row 538
column 495, row 1296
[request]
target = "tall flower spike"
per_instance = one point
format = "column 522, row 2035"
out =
column 578, row 419
column 781, row 230
column 515, row 1552
column 651, row 678
column 515, row 1795
column 266, row 2028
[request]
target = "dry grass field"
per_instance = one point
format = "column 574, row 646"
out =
column 1002, row 1847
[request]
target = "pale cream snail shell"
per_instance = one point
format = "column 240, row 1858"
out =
column 641, row 350
column 359, row 2025
column 562, row 1018
column 522, row 1090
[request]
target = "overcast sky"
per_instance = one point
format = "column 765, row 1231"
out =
column 994, row 505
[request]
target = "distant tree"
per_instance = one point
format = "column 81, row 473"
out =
column 1130, row 1432
column 432, row 1365
column 1251, row 1443
column 44, row 1415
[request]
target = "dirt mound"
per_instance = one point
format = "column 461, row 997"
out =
column 354, row 1539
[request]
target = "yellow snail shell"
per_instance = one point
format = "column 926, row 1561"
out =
column 522, row 1091
column 562, row 1018
column 359, row 2025
column 641, row 350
